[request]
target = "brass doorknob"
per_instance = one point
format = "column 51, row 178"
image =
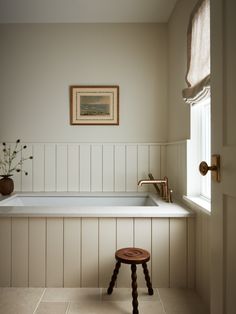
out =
column 215, row 167
column 204, row 168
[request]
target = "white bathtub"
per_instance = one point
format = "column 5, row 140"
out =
column 69, row 204
column 62, row 200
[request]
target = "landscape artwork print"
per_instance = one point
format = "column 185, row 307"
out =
column 94, row 105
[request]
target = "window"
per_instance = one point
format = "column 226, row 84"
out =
column 197, row 95
column 205, row 142
column 199, row 148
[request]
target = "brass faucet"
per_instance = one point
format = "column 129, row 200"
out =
column 164, row 192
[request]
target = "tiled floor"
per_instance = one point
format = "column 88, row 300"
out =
column 96, row 301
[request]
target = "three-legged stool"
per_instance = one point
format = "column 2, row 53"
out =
column 132, row 256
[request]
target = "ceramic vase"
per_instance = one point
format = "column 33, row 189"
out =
column 6, row 185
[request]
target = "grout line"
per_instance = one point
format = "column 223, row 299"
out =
column 68, row 307
column 39, row 301
column 158, row 293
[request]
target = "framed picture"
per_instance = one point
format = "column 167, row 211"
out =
column 94, row 105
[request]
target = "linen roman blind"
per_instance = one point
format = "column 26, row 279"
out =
column 198, row 54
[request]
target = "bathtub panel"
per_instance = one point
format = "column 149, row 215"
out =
column 107, row 248
column 72, row 252
column 131, row 168
column 125, row 238
column 38, row 167
column 85, row 168
column 27, row 180
column 89, row 263
column 108, row 168
column 120, row 168
column 191, row 253
column 96, row 168
column 161, row 252
column 5, row 252
column 73, row 167
column 20, row 252
column 143, row 165
column 178, row 252
column 37, row 252
column 61, row 168
column 50, row 167
column 84, row 255
column 142, row 239
column 54, row 252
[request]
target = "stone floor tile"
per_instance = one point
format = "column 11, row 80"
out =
column 71, row 294
column 52, row 308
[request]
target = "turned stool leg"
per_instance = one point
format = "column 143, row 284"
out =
column 113, row 278
column 134, row 289
column 147, row 277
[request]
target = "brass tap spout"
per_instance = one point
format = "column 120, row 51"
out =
column 165, row 192
column 141, row 182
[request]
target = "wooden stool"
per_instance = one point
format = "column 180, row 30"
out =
column 132, row 256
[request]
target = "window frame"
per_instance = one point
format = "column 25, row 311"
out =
column 196, row 192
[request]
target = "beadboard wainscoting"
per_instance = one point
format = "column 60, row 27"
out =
column 79, row 252
column 102, row 167
column 90, row 167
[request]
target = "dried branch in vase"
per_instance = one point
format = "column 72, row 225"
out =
column 12, row 159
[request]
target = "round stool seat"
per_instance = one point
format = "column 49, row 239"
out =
column 132, row 255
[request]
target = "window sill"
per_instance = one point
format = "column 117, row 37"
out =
column 198, row 203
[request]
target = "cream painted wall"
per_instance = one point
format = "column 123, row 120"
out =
column 178, row 112
column 40, row 61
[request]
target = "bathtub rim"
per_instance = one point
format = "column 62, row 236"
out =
column 163, row 209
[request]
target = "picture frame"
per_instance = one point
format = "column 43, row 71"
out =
column 94, row 105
